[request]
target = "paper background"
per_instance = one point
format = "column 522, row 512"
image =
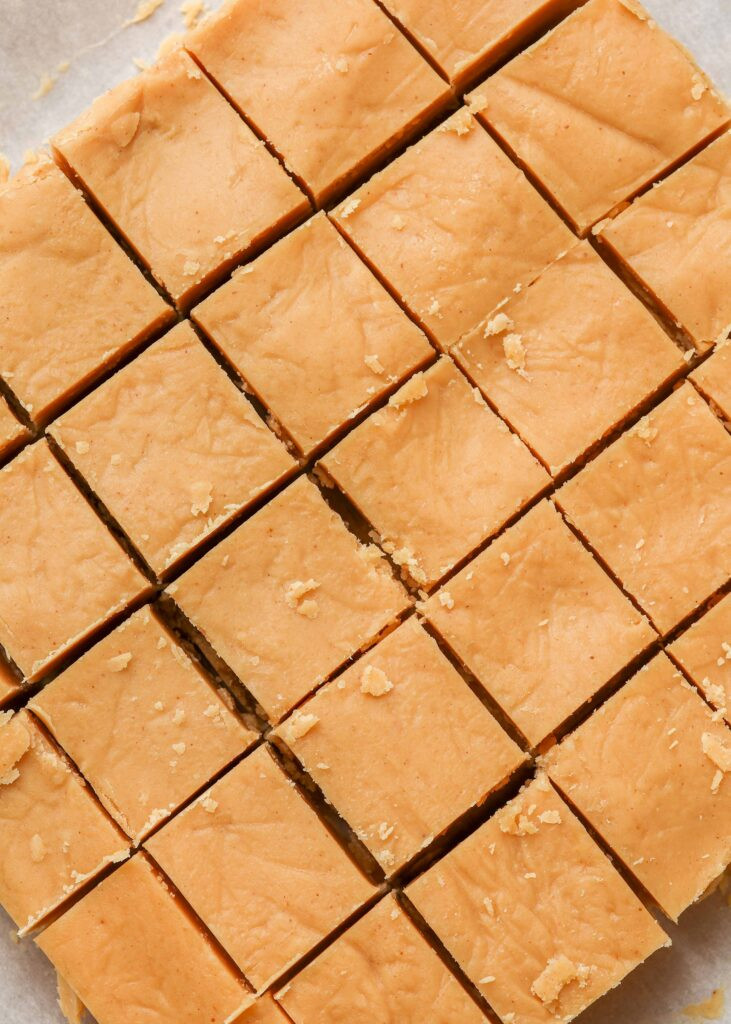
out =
column 37, row 36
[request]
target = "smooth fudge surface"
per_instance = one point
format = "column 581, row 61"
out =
column 62, row 573
column 172, row 448
column 453, row 227
column 655, row 507
column 400, row 746
column 435, row 472
column 260, row 869
column 713, row 379
column 535, row 913
column 600, row 107
column 313, row 333
column 180, row 174
column 651, row 772
column 704, row 651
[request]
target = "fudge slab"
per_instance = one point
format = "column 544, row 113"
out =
column 400, row 746
column 704, row 651
column 534, row 913
column 713, row 379
column 260, row 869
column 12, row 432
column 435, row 472
column 313, row 333
column 172, row 448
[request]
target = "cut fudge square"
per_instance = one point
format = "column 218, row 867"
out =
column 601, row 106
column 143, row 723
column 435, row 472
column 677, row 239
column 54, row 836
column 182, row 177
column 655, row 506
column 704, row 651
column 12, row 432
column 381, row 969
column 62, row 574
column 260, row 869
column 133, row 954
column 650, row 771
column 540, row 625
column 313, row 333
column 569, row 358
column 453, row 227
column 334, row 88
column 400, row 746
column 534, row 913
column 71, row 301
column 172, row 448
column 292, row 571
column 713, row 379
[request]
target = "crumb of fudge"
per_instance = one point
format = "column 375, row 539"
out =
column 295, row 594
column 374, row 363
column 515, row 352
column 497, row 324
column 119, row 662
column 349, row 207
column 556, row 975
column 45, row 85
column 412, row 391
column 375, row 682
column 145, row 9
column 710, row 1009
column 191, row 11
column 299, row 725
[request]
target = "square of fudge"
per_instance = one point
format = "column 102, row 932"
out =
column 601, row 106
column 294, row 573
column 142, row 722
column 333, row 88
column 380, row 969
column 676, row 239
column 655, row 507
column 179, row 173
column 313, row 333
column 534, row 912
column 172, row 448
column 400, row 746
column 650, row 771
column 71, row 301
column 704, row 651
column 453, row 227
column 54, row 836
column 713, row 379
column 133, row 953
column 260, row 869
column 569, row 358
column 12, row 431
column 63, row 574
column 559, row 629
column 435, row 472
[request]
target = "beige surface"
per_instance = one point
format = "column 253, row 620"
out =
column 260, row 869
column 435, row 472
column 601, row 106
column 71, row 302
column 11, row 431
column 134, row 956
column 454, row 227
column 639, row 773
column 172, row 448
column 142, row 722
column 713, row 378
column 313, row 333
column 704, row 651
column 154, row 153
column 54, row 546
column 655, row 507
column 569, row 358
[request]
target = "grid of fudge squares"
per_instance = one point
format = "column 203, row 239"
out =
column 713, row 379
column 704, row 652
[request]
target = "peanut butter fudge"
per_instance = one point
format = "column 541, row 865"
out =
column 559, row 628
column 313, row 333
column 713, row 379
column 183, row 178
column 704, row 651
column 71, row 301
column 655, row 506
column 260, row 869
column 12, row 432
column 569, row 358
column 381, row 969
column 334, row 88
column 601, row 106
column 132, row 952
column 54, row 836
column 677, row 240
column 293, row 570
column 172, row 448
column 400, row 746
column 62, row 573
column 651, row 772
column 435, row 472
column 142, row 722
column 534, row 913
column 453, row 227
